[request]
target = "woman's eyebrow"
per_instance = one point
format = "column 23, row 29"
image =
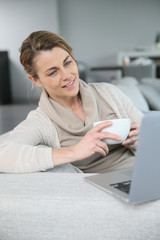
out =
column 49, row 69
column 66, row 58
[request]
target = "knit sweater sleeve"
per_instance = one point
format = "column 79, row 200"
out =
column 28, row 148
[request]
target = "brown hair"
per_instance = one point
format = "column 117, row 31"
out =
column 40, row 41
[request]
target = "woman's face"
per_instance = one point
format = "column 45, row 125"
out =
column 58, row 73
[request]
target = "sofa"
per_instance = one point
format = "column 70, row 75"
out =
column 59, row 204
column 63, row 206
column 144, row 93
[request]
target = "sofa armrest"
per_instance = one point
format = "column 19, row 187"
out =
column 64, row 206
column 4, row 136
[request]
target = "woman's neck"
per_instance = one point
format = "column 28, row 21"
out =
column 73, row 103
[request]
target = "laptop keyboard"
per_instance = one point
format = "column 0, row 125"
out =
column 122, row 186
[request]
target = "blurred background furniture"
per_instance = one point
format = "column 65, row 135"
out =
column 138, row 53
column 12, row 114
column 121, row 64
column 145, row 93
column 138, row 71
column 5, row 90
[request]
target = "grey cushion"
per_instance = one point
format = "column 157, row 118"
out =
column 130, row 86
column 63, row 206
column 150, row 87
column 152, row 96
column 154, row 82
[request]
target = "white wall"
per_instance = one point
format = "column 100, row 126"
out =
column 95, row 29
column 18, row 19
column 99, row 28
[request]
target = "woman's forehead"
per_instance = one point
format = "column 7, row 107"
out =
column 54, row 56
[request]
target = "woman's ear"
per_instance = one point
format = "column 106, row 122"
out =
column 35, row 81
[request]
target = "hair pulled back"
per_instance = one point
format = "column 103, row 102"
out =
column 40, row 41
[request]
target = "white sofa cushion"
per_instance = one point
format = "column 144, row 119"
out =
column 152, row 96
column 154, row 82
column 46, row 206
column 130, row 86
column 150, row 88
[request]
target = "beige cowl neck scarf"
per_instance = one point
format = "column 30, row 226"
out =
column 89, row 106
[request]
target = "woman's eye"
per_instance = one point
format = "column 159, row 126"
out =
column 68, row 63
column 52, row 73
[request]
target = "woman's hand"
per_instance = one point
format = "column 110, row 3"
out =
column 91, row 143
column 132, row 139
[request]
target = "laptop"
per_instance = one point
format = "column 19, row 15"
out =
column 142, row 183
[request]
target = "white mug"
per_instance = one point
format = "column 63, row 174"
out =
column 120, row 126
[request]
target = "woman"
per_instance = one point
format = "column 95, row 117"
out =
column 61, row 129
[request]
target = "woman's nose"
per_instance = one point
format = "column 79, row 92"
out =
column 65, row 74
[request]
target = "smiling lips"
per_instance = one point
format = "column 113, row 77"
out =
column 69, row 84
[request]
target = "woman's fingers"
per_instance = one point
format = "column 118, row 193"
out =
column 103, row 135
column 133, row 133
column 92, row 142
column 134, row 125
column 132, row 139
column 102, row 148
column 99, row 127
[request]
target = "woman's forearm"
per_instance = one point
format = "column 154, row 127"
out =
column 21, row 158
column 62, row 156
column 90, row 144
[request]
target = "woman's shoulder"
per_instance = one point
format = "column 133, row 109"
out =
column 39, row 123
column 39, row 118
column 37, row 114
column 103, row 87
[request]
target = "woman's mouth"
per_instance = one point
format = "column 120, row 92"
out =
column 69, row 85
